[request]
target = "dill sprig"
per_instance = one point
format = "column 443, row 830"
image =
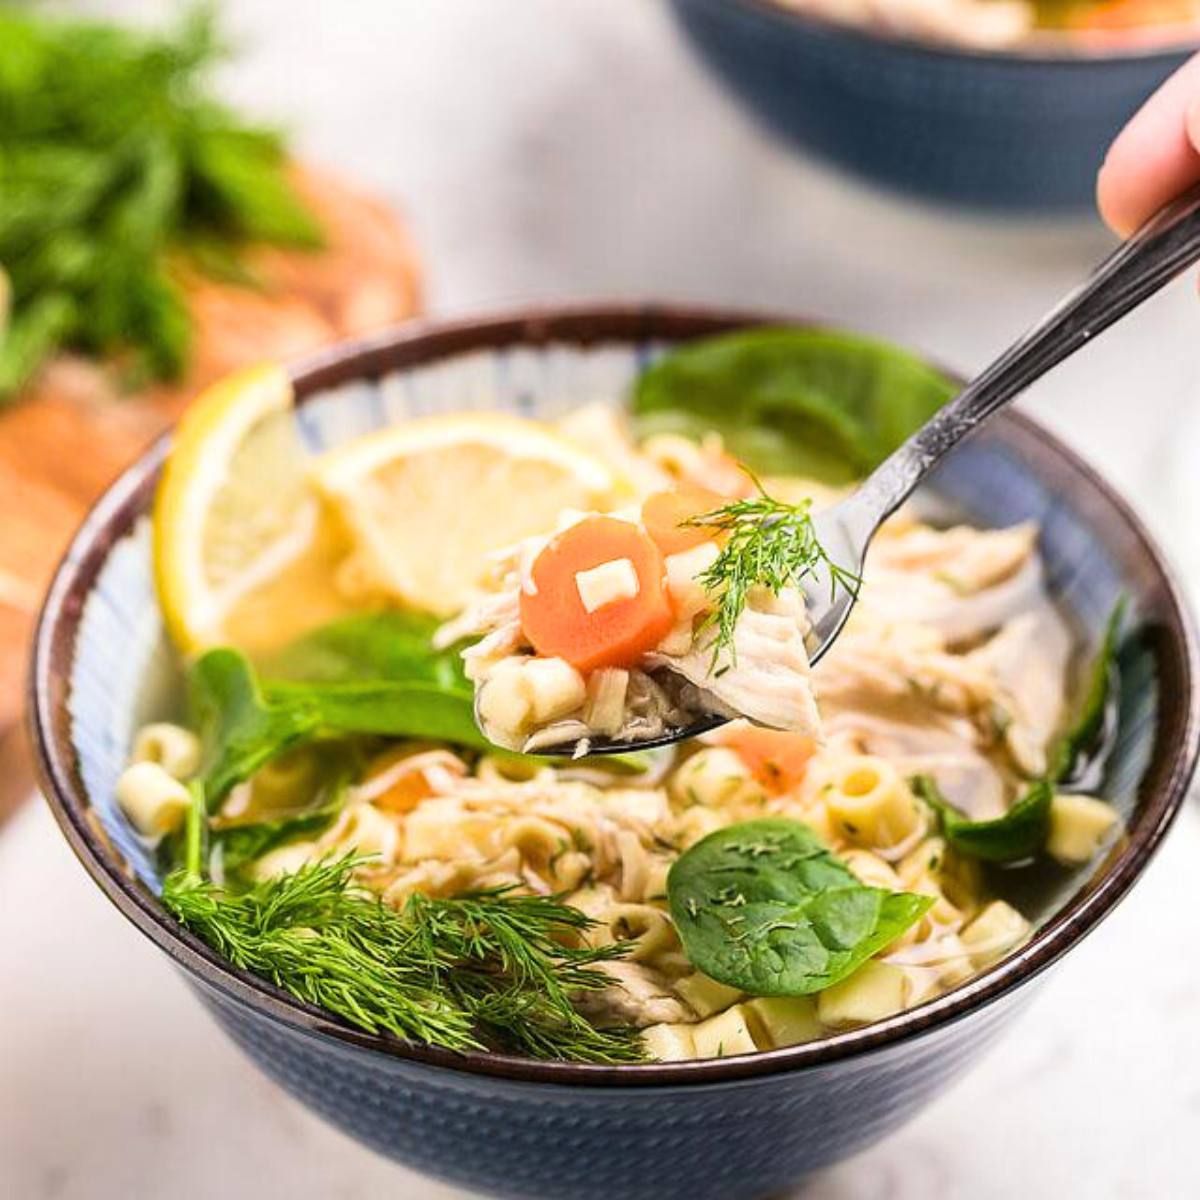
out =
column 767, row 544
column 486, row 970
column 117, row 167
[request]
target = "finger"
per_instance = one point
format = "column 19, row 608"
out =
column 1153, row 158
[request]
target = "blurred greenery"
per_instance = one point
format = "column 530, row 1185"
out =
column 115, row 163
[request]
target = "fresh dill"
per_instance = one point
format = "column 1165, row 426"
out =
column 492, row 970
column 767, row 544
column 122, row 174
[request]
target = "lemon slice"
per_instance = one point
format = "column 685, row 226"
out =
column 234, row 509
column 426, row 502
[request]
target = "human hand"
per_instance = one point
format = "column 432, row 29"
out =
column 1156, row 156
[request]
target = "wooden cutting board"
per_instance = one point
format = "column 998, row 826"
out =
column 64, row 442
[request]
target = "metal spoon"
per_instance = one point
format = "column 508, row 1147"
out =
column 1166, row 245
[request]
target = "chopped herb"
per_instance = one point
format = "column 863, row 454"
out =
column 767, row 544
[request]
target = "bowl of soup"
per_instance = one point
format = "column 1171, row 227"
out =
column 317, row 690
column 992, row 105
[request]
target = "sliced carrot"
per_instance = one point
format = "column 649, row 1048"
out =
column 615, row 634
column 776, row 758
column 664, row 515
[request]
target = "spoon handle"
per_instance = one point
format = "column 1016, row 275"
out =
column 1167, row 244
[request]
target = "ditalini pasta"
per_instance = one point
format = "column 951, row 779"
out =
column 928, row 739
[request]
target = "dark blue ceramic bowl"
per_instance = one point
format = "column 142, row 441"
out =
column 730, row 1128
column 1020, row 131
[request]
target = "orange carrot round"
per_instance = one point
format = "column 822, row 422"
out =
column 664, row 515
column 617, row 633
column 776, row 758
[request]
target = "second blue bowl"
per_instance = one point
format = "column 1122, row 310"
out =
column 1017, row 132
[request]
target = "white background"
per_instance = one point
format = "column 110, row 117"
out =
column 558, row 148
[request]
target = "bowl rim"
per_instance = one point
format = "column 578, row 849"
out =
column 1047, row 50
column 111, row 518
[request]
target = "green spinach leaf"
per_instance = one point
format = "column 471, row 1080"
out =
column 239, row 728
column 1070, row 755
column 1019, row 833
column 368, row 647
column 823, row 404
column 244, row 723
column 765, row 907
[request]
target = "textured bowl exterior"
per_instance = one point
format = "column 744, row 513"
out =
column 724, row 1141
column 741, row 1127
column 1003, row 132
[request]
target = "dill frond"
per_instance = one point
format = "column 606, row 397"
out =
column 487, row 970
column 767, row 544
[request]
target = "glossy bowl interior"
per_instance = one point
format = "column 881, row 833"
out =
column 1020, row 131
column 102, row 666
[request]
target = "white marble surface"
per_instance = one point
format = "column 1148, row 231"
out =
column 560, row 148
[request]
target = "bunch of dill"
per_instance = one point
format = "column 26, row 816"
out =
column 490, row 970
column 115, row 163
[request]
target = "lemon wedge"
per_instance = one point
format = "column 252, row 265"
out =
column 235, row 513
column 425, row 502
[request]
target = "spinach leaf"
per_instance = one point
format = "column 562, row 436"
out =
column 1097, row 709
column 244, row 723
column 826, row 405
column 367, row 648
column 763, row 906
column 239, row 728
column 1019, row 833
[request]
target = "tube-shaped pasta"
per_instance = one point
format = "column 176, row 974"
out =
column 697, row 823
column 715, row 777
column 869, row 803
column 494, row 768
column 957, row 877
column 286, row 860
column 363, row 829
column 870, row 869
column 538, row 841
column 154, row 800
column 669, row 1043
column 779, row 1021
column 876, row 990
column 1078, row 827
column 175, row 749
column 996, row 931
column 726, row 1034
column 555, row 688
column 706, row 996
column 643, row 930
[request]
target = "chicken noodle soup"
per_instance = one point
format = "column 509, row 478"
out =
column 334, row 819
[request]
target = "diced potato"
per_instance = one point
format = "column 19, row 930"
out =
column 706, row 996
column 669, row 1043
column 724, row 1035
column 607, row 583
column 783, row 1020
column 154, row 801
column 876, row 990
column 998, row 929
column 1078, row 827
